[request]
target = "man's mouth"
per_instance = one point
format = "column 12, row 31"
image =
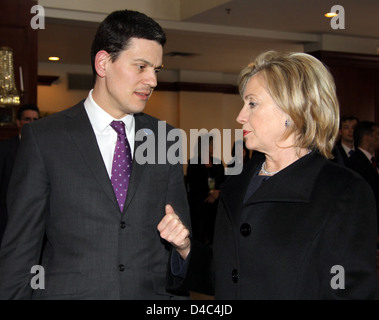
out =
column 143, row 95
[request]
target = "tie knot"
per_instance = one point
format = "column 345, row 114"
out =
column 118, row 126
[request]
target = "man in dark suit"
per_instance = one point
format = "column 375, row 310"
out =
column 366, row 137
column 8, row 151
column 344, row 147
column 97, row 245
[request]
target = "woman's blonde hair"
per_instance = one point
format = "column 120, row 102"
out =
column 305, row 90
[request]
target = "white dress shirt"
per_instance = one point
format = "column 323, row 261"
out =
column 106, row 136
column 347, row 150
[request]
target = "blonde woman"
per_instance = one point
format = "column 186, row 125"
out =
column 293, row 225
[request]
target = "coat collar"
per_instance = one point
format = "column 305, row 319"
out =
column 293, row 184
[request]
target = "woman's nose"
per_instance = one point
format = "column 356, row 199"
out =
column 242, row 116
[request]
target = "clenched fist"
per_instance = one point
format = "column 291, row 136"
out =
column 175, row 232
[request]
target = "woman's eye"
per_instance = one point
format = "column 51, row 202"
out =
column 252, row 104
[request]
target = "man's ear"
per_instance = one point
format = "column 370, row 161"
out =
column 101, row 60
column 18, row 124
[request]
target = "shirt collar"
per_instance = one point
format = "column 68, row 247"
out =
column 367, row 154
column 101, row 120
column 346, row 148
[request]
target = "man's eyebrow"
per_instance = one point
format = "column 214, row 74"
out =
column 148, row 63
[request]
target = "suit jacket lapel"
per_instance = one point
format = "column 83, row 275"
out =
column 365, row 163
column 141, row 122
column 82, row 133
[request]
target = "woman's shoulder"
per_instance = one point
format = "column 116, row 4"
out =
column 338, row 175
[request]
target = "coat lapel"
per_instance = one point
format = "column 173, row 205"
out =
column 234, row 188
column 293, row 184
column 82, row 133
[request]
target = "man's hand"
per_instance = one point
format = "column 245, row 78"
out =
column 175, row 232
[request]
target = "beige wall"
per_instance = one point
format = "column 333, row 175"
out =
column 58, row 97
column 202, row 110
column 164, row 106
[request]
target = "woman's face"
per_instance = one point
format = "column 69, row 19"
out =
column 263, row 122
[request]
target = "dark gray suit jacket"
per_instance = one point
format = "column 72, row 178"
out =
column 63, row 215
column 8, row 152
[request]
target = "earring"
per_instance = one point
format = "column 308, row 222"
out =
column 287, row 123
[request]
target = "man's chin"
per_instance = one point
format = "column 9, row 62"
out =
column 137, row 109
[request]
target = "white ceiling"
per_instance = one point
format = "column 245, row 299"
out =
column 305, row 16
column 225, row 37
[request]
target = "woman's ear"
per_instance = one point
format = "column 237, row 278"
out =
column 101, row 60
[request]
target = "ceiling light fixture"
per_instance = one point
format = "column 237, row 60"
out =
column 331, row 14
column 54, row 58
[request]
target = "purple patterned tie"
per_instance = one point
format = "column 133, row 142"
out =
column 122, row 164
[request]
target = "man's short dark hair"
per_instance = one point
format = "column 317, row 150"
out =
column 116, row 31
column 362, row 129
column 348, row 117
column 26, row 107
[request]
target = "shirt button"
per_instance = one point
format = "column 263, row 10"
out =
column 245, row 229
column 121, row 267
column 235, row 275
column 122, row 225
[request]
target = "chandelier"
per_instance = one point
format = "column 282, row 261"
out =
column 9, row 95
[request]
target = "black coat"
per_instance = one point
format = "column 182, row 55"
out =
column 284, row 242
column 361, row 164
